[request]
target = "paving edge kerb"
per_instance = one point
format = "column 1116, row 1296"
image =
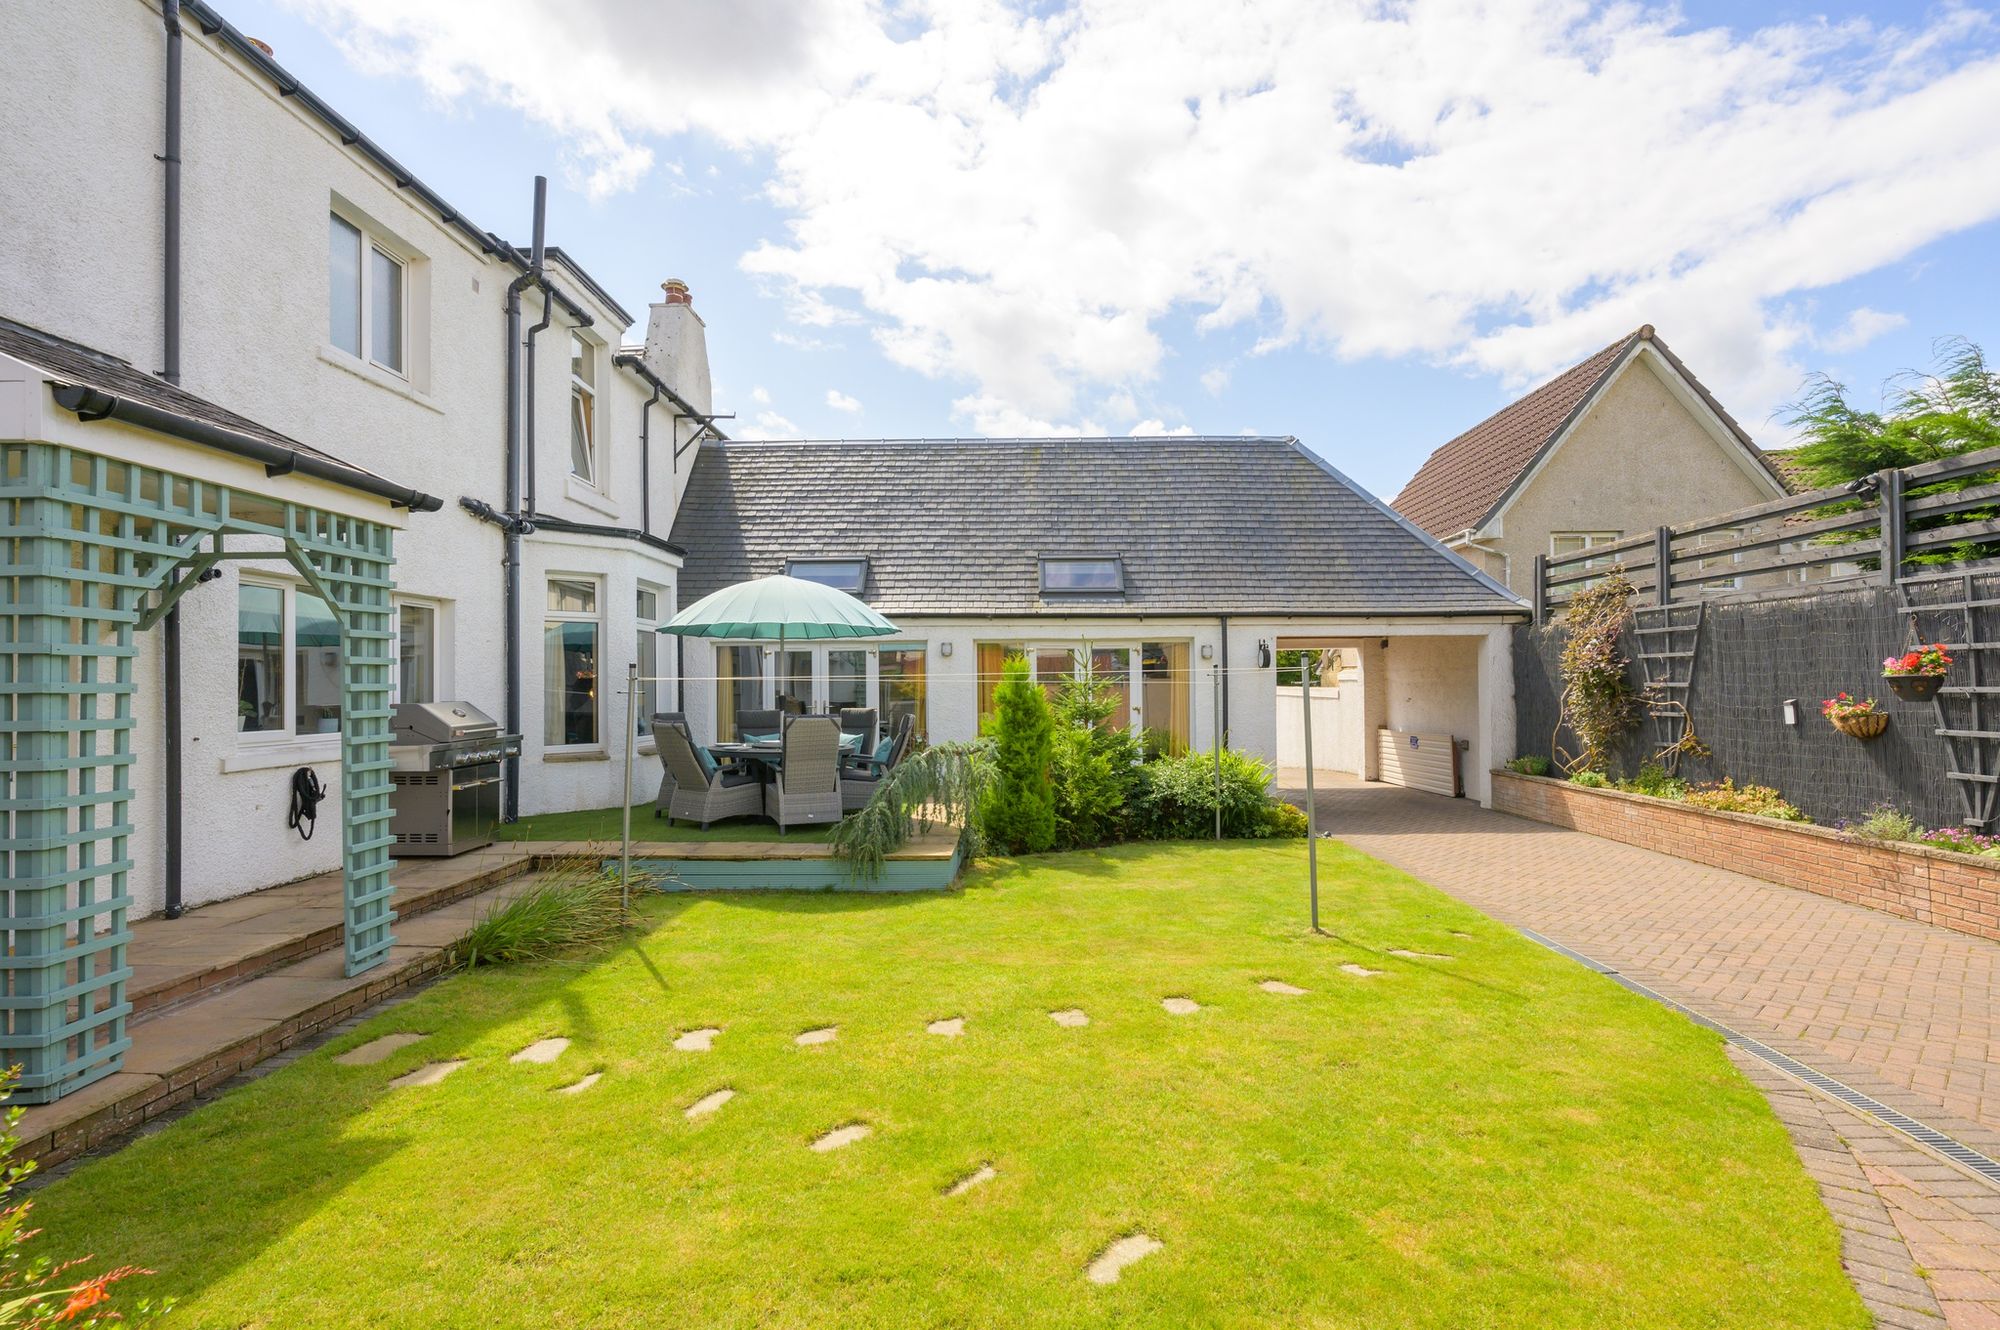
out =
column 1954, row 891
column 138, row 1097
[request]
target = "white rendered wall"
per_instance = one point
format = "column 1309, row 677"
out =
column 81, row 210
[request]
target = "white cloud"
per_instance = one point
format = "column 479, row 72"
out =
column 770, row 425
column 1863, row 326
column 1018, row 200
column 840, row 401
column 1155, row 428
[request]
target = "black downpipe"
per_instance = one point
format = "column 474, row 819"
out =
column 528, row 444
column 510, row 561
column 170, row 369
column 170, row 14
column 646, row 462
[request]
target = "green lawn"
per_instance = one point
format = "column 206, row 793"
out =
column 602, row 824
column 1501, row 1139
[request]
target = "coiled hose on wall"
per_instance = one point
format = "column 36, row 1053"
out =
column 306, row 795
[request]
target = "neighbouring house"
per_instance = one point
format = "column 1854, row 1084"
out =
column 1625, row 442
column 326, row 294
column 1175, row 567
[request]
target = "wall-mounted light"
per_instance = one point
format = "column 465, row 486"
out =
column 1207, row 651
column 1263, row 655
column 1385, row 644
column 944, row 648
column 1791, row 705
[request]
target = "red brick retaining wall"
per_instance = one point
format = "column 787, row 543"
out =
column 1953, row 891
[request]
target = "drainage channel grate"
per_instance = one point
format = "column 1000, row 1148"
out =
column 1923, row 1133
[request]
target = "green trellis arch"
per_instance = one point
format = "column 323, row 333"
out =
column 95, row 549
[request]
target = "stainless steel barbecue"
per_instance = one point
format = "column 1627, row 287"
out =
column 446, row 760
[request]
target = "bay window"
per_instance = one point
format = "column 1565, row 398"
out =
column 571, row 632
column 648, row 658
column 583, row 410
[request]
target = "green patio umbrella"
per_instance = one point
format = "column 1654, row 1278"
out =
column 777, row 608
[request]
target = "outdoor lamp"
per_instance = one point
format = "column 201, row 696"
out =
column 1207, row 651
column 944, row 648
column 1263, row 655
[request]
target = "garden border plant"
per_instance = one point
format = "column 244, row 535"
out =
column 1599, row 703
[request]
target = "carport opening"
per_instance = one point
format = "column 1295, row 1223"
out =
column 1401, row 709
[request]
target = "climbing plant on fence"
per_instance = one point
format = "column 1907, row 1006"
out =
column 1599, row 703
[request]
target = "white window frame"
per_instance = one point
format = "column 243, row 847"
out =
column 289, row 590
column 594, row 435
column 437, row 613
column 372, row 243
column 596, row 618
column 643, row 716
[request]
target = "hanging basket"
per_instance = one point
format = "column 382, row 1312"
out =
column 1867, row 725
column 1914, row 687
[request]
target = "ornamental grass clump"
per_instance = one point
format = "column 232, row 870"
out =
column 575, row 905
column 1599, row 703
column 943, row 783
column 1885, row 822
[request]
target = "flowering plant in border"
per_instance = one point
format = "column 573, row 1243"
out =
column 1957, row 839
column 39, row 1292
column 1840, row 706
column 1931, row 659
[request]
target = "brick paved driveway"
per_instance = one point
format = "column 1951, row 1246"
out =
column 1903, row 1011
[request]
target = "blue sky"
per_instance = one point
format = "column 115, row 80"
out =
column 1114, row 218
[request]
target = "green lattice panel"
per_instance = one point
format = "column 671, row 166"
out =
column 88, row 542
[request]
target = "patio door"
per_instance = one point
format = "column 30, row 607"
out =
column 1152, row 682
column 824, row 678
column 1114, row 665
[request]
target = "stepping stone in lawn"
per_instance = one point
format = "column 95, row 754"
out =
column 376, row 1050
column 1113, row 1260
column 1417, row 955
column 840, row 1136
column 428, row 1074
column 542, row 1051
column 1180, row 1006
column 578, row 1087
column 951, row 1029
column 1069, row 1018
column 708, row 1103
column 697, row 1041
column 824, row 1035
column 1282, row 988
column 984, row 1173
column 1358, row 971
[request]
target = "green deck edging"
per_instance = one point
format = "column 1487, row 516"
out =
column 815, row 874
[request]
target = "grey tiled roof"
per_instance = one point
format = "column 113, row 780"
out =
column 956, row 526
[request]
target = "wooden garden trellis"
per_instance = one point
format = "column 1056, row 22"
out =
column 95, row 550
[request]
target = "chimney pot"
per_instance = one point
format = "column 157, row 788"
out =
column 677, row 292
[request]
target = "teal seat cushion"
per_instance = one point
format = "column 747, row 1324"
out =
column 709, row 766
column 886, row 747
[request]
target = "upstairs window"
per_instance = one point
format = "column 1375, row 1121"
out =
column 1072, row 576
column 582, row 410
column 367, row 296
column 849, row 575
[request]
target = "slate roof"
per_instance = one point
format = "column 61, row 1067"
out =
column 68, row 362
column 1459, row 485
column 957, row 526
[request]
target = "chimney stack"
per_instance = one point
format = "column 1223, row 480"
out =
column 677, row 344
